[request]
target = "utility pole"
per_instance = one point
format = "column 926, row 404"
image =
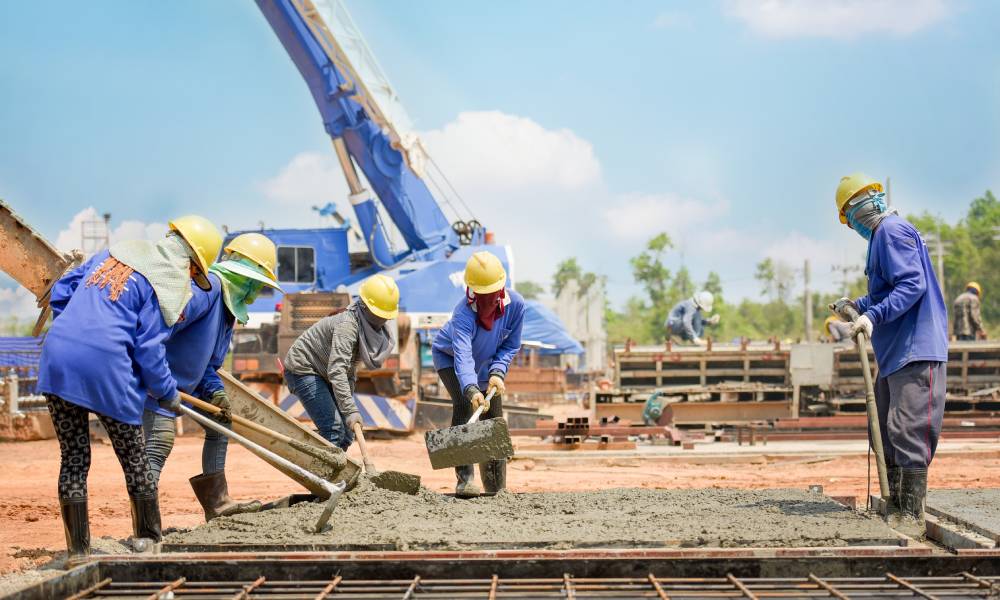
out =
column 807, row 302
column 940, row 247
column 888, row 193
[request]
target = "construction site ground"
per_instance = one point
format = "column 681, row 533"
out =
column 31, row 532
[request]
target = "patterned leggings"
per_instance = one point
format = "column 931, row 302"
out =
column 73, row 431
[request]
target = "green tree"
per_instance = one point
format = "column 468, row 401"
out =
column 530, row 290
column 649, row 271
column 565, row 270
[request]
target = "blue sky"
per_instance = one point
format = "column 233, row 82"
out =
column 572, row 128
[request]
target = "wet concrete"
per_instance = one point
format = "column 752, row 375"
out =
column 369, row 518
column 469, row 444
column 397, row 481
column 979, row 508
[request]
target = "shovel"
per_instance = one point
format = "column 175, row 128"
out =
column 396, row 481
column 332, row 461
column 471, row 443
column 334, row 491
column 845, row 310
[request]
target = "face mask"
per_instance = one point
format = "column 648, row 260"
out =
column 865, row 214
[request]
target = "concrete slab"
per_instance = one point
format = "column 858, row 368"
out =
column 371, row 519
column 976, row 509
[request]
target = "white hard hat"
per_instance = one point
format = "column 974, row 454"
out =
column 704, row 300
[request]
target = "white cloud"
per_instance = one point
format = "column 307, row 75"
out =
column 500, row 151
column 672, row 19
column 71, row 237
column 836, row 19
column 640, row 216
column 310, row 179
column 823, row 255
column 17, row 302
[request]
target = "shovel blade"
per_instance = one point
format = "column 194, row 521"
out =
column 469, row 444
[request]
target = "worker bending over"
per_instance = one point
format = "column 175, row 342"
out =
column 196, row 348
column 968, row 314
column 472, row 352
column 687, row 318
column 321, row 366
column 905, row 316
column 104, row 352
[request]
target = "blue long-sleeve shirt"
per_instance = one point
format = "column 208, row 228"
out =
column 473, row 351
column 904, row 300
column 198, row 344
column 105, row 355
column 686, row 321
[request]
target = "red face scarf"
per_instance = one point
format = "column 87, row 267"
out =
column 489, row 307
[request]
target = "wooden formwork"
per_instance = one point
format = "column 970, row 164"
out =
column 972, row 366
column 665, row 366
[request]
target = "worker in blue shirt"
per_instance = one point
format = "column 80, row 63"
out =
column 904, row 315
column 472, row 353
column 105, row 352
column 687, row 319
column 196, row 349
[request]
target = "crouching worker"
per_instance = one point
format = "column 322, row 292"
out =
column 472, row 352
column 686, row 321
column 321, row 365
column 196, row 348
column 105, row 352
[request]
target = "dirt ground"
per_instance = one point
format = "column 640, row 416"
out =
column 31, row 532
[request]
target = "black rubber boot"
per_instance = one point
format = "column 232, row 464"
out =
column 76, row 526
column 212, row 492
column 494, row 475
column 145, row 521
column 466, row 487
column 892, row 508
column 912, row 495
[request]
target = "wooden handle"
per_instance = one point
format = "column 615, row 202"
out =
column 360, row 435
column 213, row 409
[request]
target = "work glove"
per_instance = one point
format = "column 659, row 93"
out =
column 838, row 308
column 697, row 340
column 172, row 403
column 476, row 398
column 351, row 419
column 497, row 383
column 863, row 323
column 220, row 399
column 714, row 319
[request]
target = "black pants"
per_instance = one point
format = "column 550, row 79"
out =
column 910, row 406
column 461, row 410
column 73, row 432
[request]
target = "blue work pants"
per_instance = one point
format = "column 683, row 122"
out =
column 316, row 396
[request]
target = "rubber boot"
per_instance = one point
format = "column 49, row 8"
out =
column 892, row 507
column 912, row 495
column 212, row 492
column 466, row 487
column 145, row 521
column 494, row 475
column 76, row 526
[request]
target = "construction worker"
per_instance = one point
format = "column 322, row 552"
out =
column 321, row 365
column 968, row 313
column 104, row 353
column 472, row 352
column 905, row 317
column 687, row 320
column 838, row 330
column 195, row 350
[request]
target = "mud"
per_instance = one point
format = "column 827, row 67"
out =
column 369, row 518
column 397, row 481
column 469, row 444
column 976, row 507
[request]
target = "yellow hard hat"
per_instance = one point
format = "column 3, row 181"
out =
column 850, row 186
column 975, row 286
column 203, row 237
column 484, row 274
column 381, row 295
column 258, row 248
column 829, row 321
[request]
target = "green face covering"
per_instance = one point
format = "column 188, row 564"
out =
column 238, row 289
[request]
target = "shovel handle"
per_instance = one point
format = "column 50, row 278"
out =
column 363, row 445
column 213, row 409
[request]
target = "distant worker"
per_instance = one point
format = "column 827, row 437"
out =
column 321, row 366
column 968, row 313
column 196, row 349
column 905, row 317
column 838, row 330
column 472, row 353
column 687, row 321
column 104, row 353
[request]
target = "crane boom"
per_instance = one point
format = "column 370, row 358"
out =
column 390, row 159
